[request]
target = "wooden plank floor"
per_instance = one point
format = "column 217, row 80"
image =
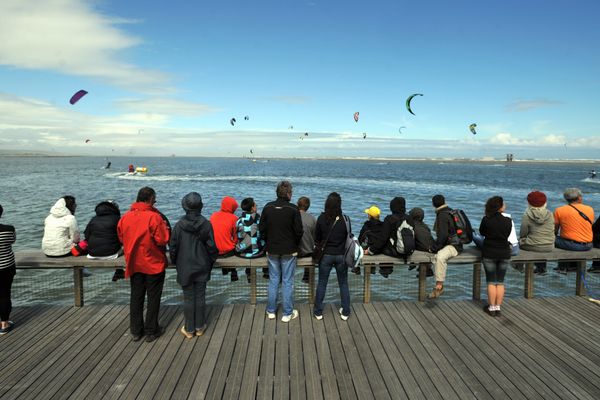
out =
column 539, row 349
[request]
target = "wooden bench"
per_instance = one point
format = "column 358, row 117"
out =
column 34, row 259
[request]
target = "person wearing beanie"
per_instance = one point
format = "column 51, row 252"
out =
column 537, row 228
column 573, row 225
column 370, row 230
column 193, row 251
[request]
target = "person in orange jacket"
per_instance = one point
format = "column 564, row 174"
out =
column 224, row 223
column 144, row 232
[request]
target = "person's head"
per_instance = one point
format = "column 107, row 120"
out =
column 417, row 214
column 398, row 205
column 284, row 190
column 536, row 199
column 438, row 200
column 192, row 203
column 333, row 206
column 572, row 195
column 146, row 195
column 248, row 205
column 70, row 203
column 493, row 205
column 303, row 203
column 1, row 210
column 373, row 212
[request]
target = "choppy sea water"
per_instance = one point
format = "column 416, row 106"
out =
column 30, row 185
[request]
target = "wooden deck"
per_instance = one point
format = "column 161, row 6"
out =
column 539, row 349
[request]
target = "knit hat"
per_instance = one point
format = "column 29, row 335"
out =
column 373, row 211
column 192, row 202
column 536, row 199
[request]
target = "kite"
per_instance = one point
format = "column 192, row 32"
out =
column 88, row 140
column 364, row 135
column 305, row 133
column 232, row 121
column 251, row 151
column 400, row 129
column 472, row 128
column 356, row 116
column 291, row 127
column 408, row 102
column 75, row 98
column 246, row 118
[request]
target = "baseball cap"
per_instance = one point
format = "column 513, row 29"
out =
column 373, row 211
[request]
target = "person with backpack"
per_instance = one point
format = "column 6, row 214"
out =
column 331, row 234
column 446, row 245
column 369, row 231
column 384, row 243
column 495, row 252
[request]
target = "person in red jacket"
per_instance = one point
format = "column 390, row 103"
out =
column 144, row 233
column 224, row 223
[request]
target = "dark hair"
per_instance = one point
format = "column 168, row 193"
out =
column 247, row 204
column 1, row 210
column 333, row 206
column 284, row 190
column 493, row 205
column 70, row 203
column 438, row 200
column 146, row 195
column 304, row 203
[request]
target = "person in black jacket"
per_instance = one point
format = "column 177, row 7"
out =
column 495, row 253
column 101, row 234
column 281, row 228
column 370, row 230
column 193, row 251
column 382, row 243
column 331, row 227
column 446, row 244
column 423, row 238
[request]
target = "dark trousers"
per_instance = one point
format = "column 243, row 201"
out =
column 142, row 284
column 194, row 305
column 6, row 280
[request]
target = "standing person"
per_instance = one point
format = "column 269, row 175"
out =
column 369, row 232
column 309, row 225
column 446, row 244
column 144, row 234
column 101, row 235
column 193, row 251
column 8, row 270
column 573, row 226
column 331, row 227
column 495, row 253
column 224, row 223
column 250, row 244
column 281, row 227
column 537, row 228
column 423, row 238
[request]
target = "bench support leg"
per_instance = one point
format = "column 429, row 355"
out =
column 253, row 286
column 423, row 281
column 476, row 281
column 311, row 285
column 579, row 285
column 529, row 276
column 367, row 283
column 78, row 286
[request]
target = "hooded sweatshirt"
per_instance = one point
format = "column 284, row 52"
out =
column 537, row 230
column 250, row 244
column 101, row 232
column 224, row 223
column 382, row 242
column 423, row 238
column 60, row 230
column 192, row 246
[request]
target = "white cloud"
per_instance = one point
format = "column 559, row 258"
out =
column 166, row 106
column 521, row 105
column 70, row 37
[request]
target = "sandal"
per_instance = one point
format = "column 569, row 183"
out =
column 435, row 293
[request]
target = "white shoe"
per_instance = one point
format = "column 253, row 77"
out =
column 344, row 317
column 271, row 315
column 288, row 318
column 318, row 317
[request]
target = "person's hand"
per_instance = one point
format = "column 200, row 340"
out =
column 366, row 251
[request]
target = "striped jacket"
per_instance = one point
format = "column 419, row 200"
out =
column 7, row 238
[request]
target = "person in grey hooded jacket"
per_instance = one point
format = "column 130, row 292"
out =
column 193, row 251
column 537, row 228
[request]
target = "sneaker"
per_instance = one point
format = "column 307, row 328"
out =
column 137, row 337
column 594, row 269
column 271, row 315
column 318, row 317
column 498, row 313
column 200, row 331
column 435, row 293
column 234, row 276
column 288, row 318
column 486, row 309
column 185, row 333
column 159, row 331
column 356, row 270
column 9, row 326
column 249, row 278
column 119, row 274
column 373, row 270
column 86, row 272
column 519, row 267
column 266, row 275
column 344, row 317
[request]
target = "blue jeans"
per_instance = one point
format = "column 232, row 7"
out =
column 327, row 263
column 281, row 268
column 567, row 244
column 478, row 240
column 495, row 270
column 194, row 305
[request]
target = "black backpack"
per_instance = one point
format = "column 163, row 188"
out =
column 462, row 225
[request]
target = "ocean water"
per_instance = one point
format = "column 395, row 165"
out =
column 30, row 185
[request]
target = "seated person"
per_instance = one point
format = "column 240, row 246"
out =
column 250, row 244
column 224, row 223
column 101, row 235
column 370, row 230
column 423, row 237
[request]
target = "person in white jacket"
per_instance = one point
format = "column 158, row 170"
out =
column 60, row 228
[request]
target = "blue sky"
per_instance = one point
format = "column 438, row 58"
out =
column 166, row 78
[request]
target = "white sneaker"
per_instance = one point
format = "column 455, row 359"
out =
column 271, row 315
column 288, row 318
column 344, row 317
column 318, row 317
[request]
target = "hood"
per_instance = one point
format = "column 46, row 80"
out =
column 107, row 208
column 59, row 209
column 398, row 205
column 229, row 204
column 417, row 214
column 192, row 222
column 539, row 215
column 192, row 203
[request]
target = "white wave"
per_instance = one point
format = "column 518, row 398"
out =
column 591, row 180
